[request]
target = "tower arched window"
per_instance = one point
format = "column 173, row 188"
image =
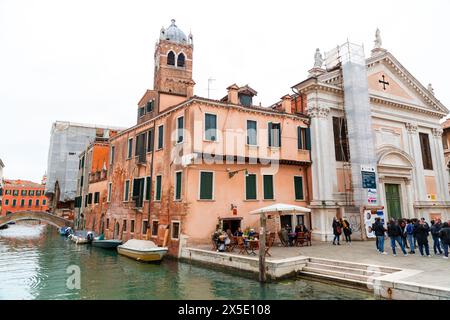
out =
column 180, row 60
column 171, row 58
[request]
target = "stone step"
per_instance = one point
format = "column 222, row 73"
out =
column 367, row 272
column 334, row 278
column 353, row 265
column 340, row 275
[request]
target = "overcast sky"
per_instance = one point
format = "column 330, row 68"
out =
column 91, row 61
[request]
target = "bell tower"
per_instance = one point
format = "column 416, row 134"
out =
column 173, row 61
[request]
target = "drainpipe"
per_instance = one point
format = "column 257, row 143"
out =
column 151, row 174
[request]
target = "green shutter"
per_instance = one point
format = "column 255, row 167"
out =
column 147, row 190
column 250, row 187
column 298, row 183
column 178, row 185
column 150, row 141
column 269, row 129
column 210, row 127
column 160, row 136
column 268, row 187
column 206, row 185
column 180, row 125
column 308, row 138
column 158, row 188
column 299, row 138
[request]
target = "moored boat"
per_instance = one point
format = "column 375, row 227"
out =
column 106, row 244
column 142, row 250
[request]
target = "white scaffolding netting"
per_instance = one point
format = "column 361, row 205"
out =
column 358, row 117
column 67, row 141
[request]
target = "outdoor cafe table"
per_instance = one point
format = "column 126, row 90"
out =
column 253, row 245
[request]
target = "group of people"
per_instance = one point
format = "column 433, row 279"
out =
column 413, row 233
column 289, row 236
column 341, row 226
column 224, row 238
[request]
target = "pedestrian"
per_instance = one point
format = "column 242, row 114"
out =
column 379, row 230
column 410, row 235
column 395, row 234
column 444, row 235
column 337, row 231
column 347, row 230
column 435, row 228
column 421, row 231
column 402, row 224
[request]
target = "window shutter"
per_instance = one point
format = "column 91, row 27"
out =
column 206, row 185
column 150, row 140
column 158, row 188
column 307, row 138
column 250, row 184
column 268, row 187
column 299, row 138
column 160, row 136
column 269, row 129
column 147, row 190
column 178, row 186
column 298, row 185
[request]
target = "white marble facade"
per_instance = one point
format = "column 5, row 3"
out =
column 400, row 111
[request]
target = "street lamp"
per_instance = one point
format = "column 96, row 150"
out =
column 232, row 173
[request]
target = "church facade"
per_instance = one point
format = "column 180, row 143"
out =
column 403, row 126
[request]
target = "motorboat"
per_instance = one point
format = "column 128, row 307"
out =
column 82, row 237
column 101, row 242
column 142, row 250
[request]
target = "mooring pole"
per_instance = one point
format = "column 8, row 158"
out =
column 262, row 248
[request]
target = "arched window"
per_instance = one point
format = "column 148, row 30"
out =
column 180, row 60
column 171, row 58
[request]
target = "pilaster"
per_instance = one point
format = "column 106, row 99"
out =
column 415, row 151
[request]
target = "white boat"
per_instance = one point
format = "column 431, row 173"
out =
column 78, row 239
column 142, row 250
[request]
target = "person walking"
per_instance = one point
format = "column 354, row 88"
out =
column 347, row 231
column 337, row 231
column 379, row 230
column 421, row 231
column 395, row 234
column 410, row 235
column 444, row 235
column 435, row 228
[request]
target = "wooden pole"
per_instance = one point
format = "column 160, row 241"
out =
column 262, row 248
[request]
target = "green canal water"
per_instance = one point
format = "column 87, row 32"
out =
column 34, row 260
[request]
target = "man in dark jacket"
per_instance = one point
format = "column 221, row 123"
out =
column 379, row 230
column 395, row 233
column 444, row 234
column 421, row 231
column 435, row 228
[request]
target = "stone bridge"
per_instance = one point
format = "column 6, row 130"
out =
column 36, row 215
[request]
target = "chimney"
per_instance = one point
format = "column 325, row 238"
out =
column 286, row 105
column 233, row 94
column 190, row 89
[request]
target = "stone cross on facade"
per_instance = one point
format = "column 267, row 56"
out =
column 384, row 82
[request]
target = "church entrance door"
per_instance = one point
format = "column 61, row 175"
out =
column 393, row 201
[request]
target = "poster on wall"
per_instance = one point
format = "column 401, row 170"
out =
column 372, row 196
column 369, row 220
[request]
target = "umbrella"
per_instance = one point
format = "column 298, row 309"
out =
column 281, row 207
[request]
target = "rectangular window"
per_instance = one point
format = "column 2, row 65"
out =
column 178, row 176
column 126, row 190
column 113, row 150
column 107, row 223
column 149, row 106
column 426, row 151
column 341, row 148
column 130, row 148
column 141, row 112
column 175, row 230
column 90, row 198
column 7, row 192
column 132, row 226
column 97, row 197
column 154, row 228
column 303, row 138
column 206, row 185
column 158, row 188
column 15, row 192
column 124, row 225
column 274, row 130
column 150, row 141
column 85, row 200
column 180, row 129
column 298, row 187
column 44, row 202
column 23, row 192
column 141, row 146
column 252, row 133
column 6, row 202
column 14, row 202
column 22, row 202
column 148, row 188
column 109, row 191
column 37, row 202
column 31, row 193
column 210, row 127
column 250, row 186
column 138, row 192
column 160, row 137
column 38, row 193
column 144, row 227
column 30, row 202
column 268, row 187
column 77, row 202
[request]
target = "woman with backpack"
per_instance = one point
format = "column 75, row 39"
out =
column 337, row 231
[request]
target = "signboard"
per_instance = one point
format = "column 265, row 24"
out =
column 368, row 180
column 369, row 220
column 372, row 196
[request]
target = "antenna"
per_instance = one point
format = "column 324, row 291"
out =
column 209, row 82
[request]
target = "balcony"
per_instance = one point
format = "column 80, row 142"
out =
column 141, row 159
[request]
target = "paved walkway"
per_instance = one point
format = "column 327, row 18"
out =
column 430, row 271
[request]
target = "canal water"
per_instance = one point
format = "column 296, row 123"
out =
column 34, row 260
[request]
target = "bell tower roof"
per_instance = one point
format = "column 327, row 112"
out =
column 173, row 34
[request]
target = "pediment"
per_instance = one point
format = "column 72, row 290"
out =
column 390, row 156
column 389, row 80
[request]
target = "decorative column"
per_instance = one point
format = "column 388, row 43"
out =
column 409, row 198
column 439, row 166
column 416, row 153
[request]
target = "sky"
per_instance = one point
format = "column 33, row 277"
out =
column 91, row 61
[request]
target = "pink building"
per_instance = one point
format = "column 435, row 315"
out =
column 191, row 163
